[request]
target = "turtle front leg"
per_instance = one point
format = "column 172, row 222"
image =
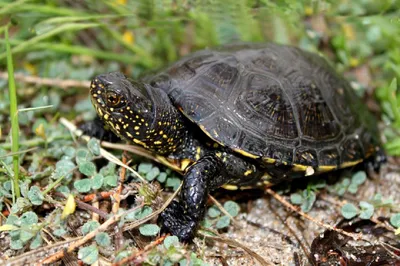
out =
column 182, row 218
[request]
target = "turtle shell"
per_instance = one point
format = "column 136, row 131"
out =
column 273, row 102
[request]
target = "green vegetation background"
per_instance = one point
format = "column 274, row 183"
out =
column 75, row 40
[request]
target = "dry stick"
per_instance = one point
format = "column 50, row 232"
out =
column 84, row 206
column 58, row 255
column 235, row 243
column 133, row 149
column 97, row 196
column 141, row 152
column 34, row 255
column 141, row 252
column 96, row 216
column 52, row 82
column 291, row 231
column 107, row 155
column 118, row 238
column 358, row 236
column 222, row 209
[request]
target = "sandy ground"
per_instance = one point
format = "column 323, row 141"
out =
column 277, row 235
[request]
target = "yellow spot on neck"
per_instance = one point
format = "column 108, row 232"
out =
column 230, row 187
column 198, row 152
column 269, row 160
column 185, row 163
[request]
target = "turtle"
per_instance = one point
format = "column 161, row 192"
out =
column 239, row 116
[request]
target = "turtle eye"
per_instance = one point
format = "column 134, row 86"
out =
column 113, row 99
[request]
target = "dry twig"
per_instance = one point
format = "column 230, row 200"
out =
column 141, row 252
column 51, row 82
column 235, row 243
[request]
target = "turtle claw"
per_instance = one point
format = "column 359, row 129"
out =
column 174, row 220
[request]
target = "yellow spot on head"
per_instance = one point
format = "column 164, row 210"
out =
column 129, row 134
column 165, row 136
column 248, row 172
column 139, row 142
column 215, row 145
column 161, row 132
column 106, row 116
column 157, row 142
column 136, row 128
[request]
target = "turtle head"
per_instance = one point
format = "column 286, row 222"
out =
column 135, row 111
column 123, row 105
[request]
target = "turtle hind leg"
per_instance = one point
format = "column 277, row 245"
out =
column 374, row 163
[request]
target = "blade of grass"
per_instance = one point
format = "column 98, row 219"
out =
column 14, row 117
column 75, row 49
column 21, row 6
column 8, row 7
column 393, row 101
column 62, row 29
column 145, row 57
